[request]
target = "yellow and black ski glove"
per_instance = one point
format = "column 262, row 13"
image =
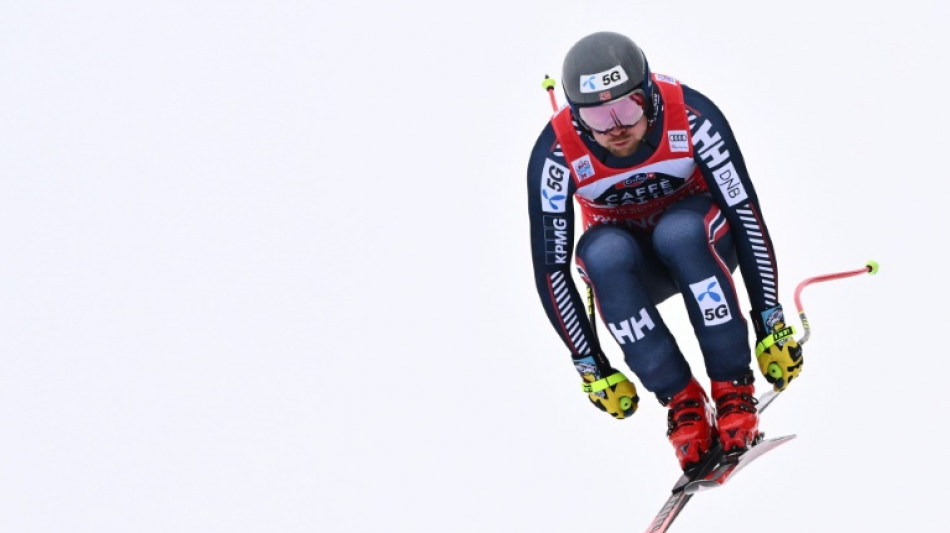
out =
column 614, row 394
column 778, row 353
column 608, row 389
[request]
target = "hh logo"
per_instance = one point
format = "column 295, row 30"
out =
column 633, row 328
column 553, row 187
column 712, row 303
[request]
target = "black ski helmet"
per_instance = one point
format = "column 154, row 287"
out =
column 604, row 66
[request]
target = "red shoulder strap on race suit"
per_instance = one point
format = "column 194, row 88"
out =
column 673, row 157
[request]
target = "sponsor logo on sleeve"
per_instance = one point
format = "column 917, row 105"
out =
column 729, row 184
column 554, row 187
column 712, row 149
column 555, row 240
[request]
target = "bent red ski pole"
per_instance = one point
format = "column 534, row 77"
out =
column 870, row 268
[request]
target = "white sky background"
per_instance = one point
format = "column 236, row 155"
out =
column 266, row 267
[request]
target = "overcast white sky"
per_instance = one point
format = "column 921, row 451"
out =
column 265, row 267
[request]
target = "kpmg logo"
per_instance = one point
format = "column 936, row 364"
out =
column 554, row 187
column 555, row 240
column 708, row 294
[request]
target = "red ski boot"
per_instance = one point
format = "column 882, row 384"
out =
column 736, row 414
column 691, row 424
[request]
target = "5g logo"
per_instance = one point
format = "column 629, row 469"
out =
column 611, row 77
column 554, row 187
column 720, row 311
column 712, row 304
column 601, row 81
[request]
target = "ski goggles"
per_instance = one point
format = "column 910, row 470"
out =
column 621, row 113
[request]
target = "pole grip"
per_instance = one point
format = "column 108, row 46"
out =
column 548, row 85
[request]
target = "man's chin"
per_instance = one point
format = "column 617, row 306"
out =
column 623, row 148
column 624, row 151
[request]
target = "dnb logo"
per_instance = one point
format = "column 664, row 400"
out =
column 711, row 302
column 553, row 187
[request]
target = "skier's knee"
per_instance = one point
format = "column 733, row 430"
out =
column 606, row 249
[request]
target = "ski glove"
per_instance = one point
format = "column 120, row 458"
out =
column 614, row 394
column 778, row 353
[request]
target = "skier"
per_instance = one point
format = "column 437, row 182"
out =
column 668, row 208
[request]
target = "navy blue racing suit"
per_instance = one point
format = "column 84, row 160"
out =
column 676, row 217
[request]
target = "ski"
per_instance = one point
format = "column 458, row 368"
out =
column 730, row 465
column 679, row 497
column 715, row 463
column 716, row 469
column 713, row 471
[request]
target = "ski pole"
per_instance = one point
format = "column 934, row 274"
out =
column 870, row 268
column 548, row 85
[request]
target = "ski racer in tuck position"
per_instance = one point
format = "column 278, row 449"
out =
column 667, row 208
